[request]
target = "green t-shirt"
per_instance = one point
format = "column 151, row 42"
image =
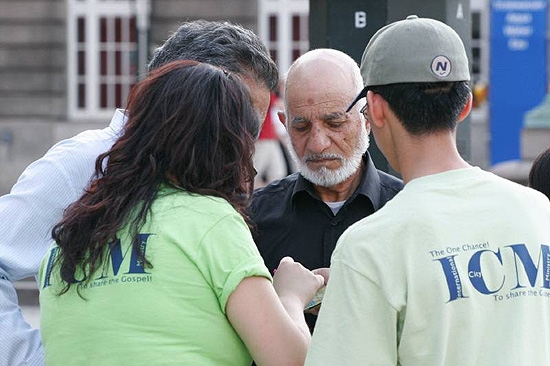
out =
column 173, row 313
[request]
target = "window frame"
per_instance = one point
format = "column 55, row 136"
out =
column 283, row 46
column 93, row 11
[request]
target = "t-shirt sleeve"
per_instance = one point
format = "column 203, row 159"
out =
column 227, row 255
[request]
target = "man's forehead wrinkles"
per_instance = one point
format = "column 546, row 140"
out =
column 313, row 99
column 308, row 103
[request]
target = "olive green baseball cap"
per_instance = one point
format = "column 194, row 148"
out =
column 414, row 50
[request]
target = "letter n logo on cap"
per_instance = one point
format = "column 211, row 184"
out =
column 441, row 66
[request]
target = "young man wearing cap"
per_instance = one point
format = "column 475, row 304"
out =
column 455, row 270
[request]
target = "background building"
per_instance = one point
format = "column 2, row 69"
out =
column 66, row 64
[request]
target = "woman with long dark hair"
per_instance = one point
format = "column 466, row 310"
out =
column 155, row 263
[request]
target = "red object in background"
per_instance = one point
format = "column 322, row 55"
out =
column 268, row 129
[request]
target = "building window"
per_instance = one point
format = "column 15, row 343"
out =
column 103, row 53
column 283, row 26
column 300, row 35
column 480, row 51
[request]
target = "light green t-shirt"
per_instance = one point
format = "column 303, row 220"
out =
column 170, row 314
column 454, row 271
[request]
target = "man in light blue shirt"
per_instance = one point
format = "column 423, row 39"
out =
column 47, row 186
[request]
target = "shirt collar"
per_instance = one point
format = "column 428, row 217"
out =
column 369, row 186
column 370, row 183
column 118, row 121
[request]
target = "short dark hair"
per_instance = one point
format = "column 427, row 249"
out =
column 424, row 108
column 223, row 44
column 539, row 175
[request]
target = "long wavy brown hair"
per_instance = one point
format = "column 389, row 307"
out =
column 191, row 126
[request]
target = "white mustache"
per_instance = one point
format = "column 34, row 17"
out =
column 318, row 157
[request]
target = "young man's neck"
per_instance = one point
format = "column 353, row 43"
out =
column 427, row 155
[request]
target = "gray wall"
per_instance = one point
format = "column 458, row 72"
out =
column 32, row 59
column 33, row 102
column 168, row 14
column 32, row 87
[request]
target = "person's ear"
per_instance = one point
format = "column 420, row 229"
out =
column 282, row 118
column 375, row 109
column 467, row 108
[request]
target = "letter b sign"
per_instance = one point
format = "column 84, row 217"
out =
column 360, row 19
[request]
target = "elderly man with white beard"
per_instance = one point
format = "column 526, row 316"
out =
column 337, row 184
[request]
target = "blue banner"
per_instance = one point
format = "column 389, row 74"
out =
column 518, row 80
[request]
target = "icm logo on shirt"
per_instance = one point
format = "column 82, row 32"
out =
column 514, row 259
column 110, row 269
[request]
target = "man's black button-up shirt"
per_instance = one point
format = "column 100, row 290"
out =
column 291, row 220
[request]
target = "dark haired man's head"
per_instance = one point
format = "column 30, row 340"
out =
column 229, row 46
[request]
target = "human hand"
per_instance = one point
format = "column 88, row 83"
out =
column 325, row 272
column 294, row 281
column 314, row 305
